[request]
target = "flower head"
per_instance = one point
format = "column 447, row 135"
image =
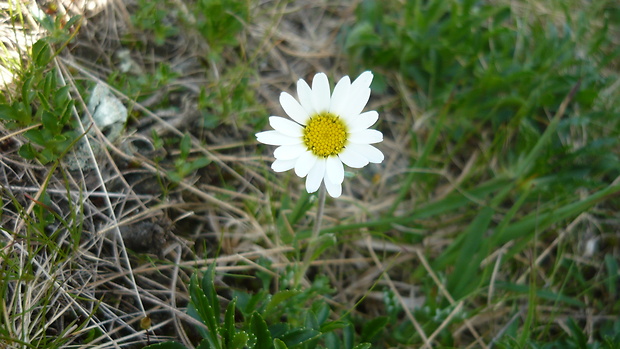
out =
column 327, row 130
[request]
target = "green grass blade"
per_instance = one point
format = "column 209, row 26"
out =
column 471, row 252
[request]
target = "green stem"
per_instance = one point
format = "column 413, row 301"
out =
column 313, row 239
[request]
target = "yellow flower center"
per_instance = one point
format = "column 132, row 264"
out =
column 325, row 135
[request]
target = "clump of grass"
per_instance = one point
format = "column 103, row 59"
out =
column 515, row 106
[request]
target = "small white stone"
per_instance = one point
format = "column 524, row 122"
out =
column 105, row 108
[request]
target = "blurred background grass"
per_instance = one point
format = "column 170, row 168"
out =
column 493, row 221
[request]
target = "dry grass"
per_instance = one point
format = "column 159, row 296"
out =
column 122, row 204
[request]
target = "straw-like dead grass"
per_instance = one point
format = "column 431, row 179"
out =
column 91, row 286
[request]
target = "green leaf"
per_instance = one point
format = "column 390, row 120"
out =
column 278, row 330
column 578, row 337
column 50, row 122
column 289, row 216
column 540, row 293
column 173, row 176
column 466, row 273
column 258, row 326
column 61, row 96
column 311, row 322
column 331, row 340
column 158, row 143
column 250, row 303
column 28, row 92
column 65, row 113
column 8, row 113
column 362, row 34
column 39, row 137
column 23, row 112
column 47, row 22
column 334, row 325
column 27, row 152
column 204, row 344
column 322, row 312
column 72, row 21
column 539, row 221
column 45, row 105
column 198, row 164
column 208, row 286
column 611, row 264
column 302, row 206
column 362, row 346
column 373, row 327
column 299, row 336
column 185, row 146
column 278, row 344
column 228, row 330
column 278, row 298
column 205, row 310
column 322, row 243
column 348, row 335
column 240, row 340
column 41, row 53
column 49, row 83
column 46, row 155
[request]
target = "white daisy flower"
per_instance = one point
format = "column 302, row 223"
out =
column 326, row 131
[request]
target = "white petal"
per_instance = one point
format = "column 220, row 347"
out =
column 320, row 93
column 357, row 102
column 363, row 121
column 362, row 81
column 358, row 95
column 304, row 164
column 289, row 152
column 282, row 165
column 333, row 189
column 315, row 176
column 334, row 170
column 286, row 126
column 371, row 153
column 277, row 138
column 340, row 96
column 351, row 158
column 293, row 108
column 367, row 136
column 304, row 93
